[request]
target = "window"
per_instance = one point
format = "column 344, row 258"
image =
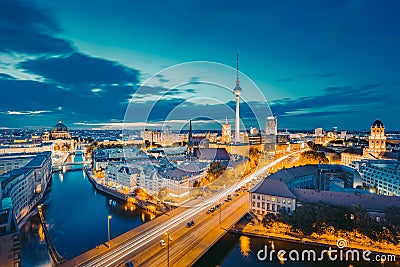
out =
column 273, row 199
column 273, row 207
column 283, row 201
column 278, row 200
column 289, row 201
column 268, row 198
column 258, row 204
column 268, row 206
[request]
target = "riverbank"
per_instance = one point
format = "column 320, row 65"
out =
column 281, row 232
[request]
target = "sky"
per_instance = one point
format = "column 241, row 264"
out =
column 105, row 63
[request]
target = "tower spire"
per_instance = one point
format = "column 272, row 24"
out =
column 237, row 69
column 190, row 141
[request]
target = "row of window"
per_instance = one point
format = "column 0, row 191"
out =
column 269, row 206
column 272, row 199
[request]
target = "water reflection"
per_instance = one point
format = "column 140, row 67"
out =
column 245, row 248
column 41, row 233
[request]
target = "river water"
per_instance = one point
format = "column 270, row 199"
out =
column 76, row 216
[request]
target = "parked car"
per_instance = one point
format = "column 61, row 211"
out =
column 162, row 243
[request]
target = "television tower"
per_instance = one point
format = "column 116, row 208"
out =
column 237, row 91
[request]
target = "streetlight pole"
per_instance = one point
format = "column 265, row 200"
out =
column 167, row 247
column 109, row 218
column 220, row 211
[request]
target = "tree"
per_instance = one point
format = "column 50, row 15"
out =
column 392, row 216
column 163, row 193
column 313, row 157
column 269, row 219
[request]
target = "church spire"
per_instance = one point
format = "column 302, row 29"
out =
column 190, row 141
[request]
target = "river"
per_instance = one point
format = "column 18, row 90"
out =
column 76, row 215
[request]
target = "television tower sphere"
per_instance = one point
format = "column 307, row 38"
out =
column 237, row 91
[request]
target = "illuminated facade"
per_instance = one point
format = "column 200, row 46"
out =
column 226, row 133
column 383, row 175
column 377, row 138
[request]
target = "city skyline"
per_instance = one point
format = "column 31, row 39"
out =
column 321, row 69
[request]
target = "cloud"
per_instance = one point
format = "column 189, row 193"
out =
column 25, row 28
column 78, row 70
column 336, row 99
column 6, row 76
column 28, row 112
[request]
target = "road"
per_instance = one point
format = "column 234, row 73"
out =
column 132, row 244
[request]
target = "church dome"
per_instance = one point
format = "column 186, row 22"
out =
column 377, row 123
column 59, row 127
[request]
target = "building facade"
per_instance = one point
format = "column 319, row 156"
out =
column 226, row 133
column 383, row 175
column 377, row 138
column 25, row 186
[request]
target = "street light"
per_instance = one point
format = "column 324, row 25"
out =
column 109, row 218
column 220, row 211
column 168, row 238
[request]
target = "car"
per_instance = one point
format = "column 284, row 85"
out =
column 190, row 224
column 162, row 243
column 236, row 195
column 129, row 263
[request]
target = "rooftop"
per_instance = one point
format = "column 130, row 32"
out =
column 273, row 187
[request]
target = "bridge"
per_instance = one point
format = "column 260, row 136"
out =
column 56, row 258
column 184, row 245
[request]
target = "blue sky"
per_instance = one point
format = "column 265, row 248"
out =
column 316, row 63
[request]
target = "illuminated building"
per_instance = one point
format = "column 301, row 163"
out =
column 60, row 131
column 226, row 132
column 271, row 126
column 383, row 175
column 377, row 138
column 9, row 235
column 25, row 186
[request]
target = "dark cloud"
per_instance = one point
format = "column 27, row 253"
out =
column 6, row 76
column 24, row 28
column 355, row 97
column 76, row 105
column 161, row 78
column 80, row 70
